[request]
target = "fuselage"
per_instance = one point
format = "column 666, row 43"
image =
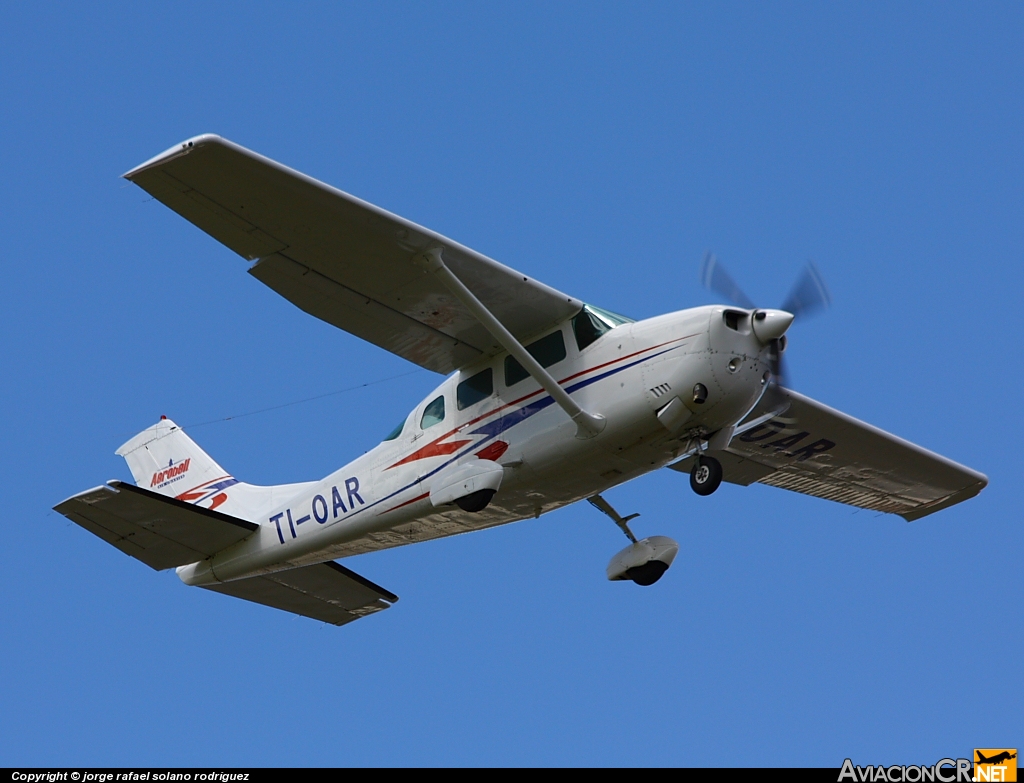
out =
column 495, row 411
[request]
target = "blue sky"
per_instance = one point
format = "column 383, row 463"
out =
column 602, row 148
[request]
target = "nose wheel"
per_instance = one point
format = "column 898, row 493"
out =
column 643, row 562
column 706, row 475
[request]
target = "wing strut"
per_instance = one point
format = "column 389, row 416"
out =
column 587, row 424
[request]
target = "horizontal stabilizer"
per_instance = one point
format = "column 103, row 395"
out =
column 160, row 531
column 327, row 591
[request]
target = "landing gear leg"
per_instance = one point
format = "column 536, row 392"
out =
column 605, row 507
column 643, row 562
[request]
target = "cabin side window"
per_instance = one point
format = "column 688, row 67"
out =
column 433, row 413
column 547, row 351
column 395, row 432
column 473, row 389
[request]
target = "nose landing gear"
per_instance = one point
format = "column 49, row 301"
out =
column 706, row 474
column 643, row 562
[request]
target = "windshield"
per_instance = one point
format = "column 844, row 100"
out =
column 591, row 322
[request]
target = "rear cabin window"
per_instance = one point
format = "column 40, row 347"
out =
column 396, row 431
column 547, row 351
column 433, row 413
column 472, row 390
column 592, row 322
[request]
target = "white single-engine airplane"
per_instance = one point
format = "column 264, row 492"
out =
column 547, row 401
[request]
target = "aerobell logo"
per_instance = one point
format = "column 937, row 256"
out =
column 942, row 771
column 173, row 472
column 998, row 764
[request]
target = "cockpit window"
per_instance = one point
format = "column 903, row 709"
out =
column 433, row 413
column 591, row 322
column 396, row 431
column 472, row 390
column 547, row 351
column 613, row 318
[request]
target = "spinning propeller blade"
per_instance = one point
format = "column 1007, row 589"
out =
column 808, row 296
column 714, row 277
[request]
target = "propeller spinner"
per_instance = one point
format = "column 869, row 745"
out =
column 808, row 296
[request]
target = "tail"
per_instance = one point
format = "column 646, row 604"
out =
column 163, row 459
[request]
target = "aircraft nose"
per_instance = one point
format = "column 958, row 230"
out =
column 771, row 324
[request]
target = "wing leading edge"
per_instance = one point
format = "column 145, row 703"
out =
column 815, row 450
column 344, row 260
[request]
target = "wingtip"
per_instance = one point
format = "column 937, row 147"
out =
column 184, row 148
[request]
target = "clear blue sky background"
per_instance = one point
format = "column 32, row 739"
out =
column 601, row 148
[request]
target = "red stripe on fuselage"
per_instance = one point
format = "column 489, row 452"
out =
column 434, row 449
column 419, row 454
column 406, row 503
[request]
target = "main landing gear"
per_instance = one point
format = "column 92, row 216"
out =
column 706, row 474
column 642, row 562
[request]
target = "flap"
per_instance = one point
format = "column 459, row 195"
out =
column 344, row 260
column 158, row 530
column 816, row 450
column 327, row 592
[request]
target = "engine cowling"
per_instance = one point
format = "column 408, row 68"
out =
column 643, row 562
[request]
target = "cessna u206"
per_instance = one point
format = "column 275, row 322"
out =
column 547, row 401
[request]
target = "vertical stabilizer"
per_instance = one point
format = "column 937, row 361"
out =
column 163, row 459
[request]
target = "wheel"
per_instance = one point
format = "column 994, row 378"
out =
column 648, row 573
column 476, row 501
column 706, row 475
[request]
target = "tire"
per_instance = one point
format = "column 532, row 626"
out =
column 476, row 501
column 706, row 475
column 648, row 573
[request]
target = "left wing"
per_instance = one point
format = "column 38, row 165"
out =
column 816, row 450
column 343, row 260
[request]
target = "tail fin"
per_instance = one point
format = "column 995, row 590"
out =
column 163, row 459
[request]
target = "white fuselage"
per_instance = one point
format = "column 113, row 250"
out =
column 627, row 375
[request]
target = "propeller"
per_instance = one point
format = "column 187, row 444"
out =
column 809, row 295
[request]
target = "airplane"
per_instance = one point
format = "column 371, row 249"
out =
column 996, row 759
column 547, row 400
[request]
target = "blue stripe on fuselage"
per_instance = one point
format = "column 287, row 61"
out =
column 494, row 428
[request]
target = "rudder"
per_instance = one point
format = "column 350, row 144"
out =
column 163, row 459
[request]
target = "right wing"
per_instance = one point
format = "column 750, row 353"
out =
column 813, row 449
column 327, row 592
column 343, row 260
